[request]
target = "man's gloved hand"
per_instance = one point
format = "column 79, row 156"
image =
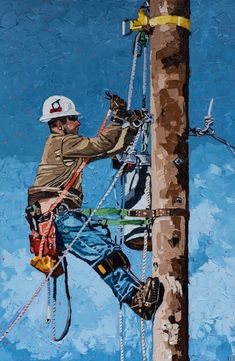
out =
column 117, row 105
column 136, row 118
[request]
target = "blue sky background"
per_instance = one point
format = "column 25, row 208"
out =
column 75, row 48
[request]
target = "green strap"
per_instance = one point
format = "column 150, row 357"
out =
column 106, row 211
column 114, row 211
column 124, row 222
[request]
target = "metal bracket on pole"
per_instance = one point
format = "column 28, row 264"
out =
column 124, row 33
column 143, row 22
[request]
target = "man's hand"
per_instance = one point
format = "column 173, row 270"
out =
column 117, row 105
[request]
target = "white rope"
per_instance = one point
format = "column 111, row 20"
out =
column 54, row 311
column 143, row 345
column 144, row 263
column 133, row 70
column 144, row 254
column 144, row 76
column 121, row 241
column 144, row 91
column 121, row 339
column 145, row 248
column 148, row 192
column 121, row 228
column 48, row 316
column 122, row 197
column 23, row 310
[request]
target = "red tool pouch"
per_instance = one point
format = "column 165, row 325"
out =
column 45, row 238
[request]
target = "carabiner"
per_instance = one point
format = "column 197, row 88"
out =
column 124, row 28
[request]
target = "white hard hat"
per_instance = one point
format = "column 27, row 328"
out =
column 57, row 106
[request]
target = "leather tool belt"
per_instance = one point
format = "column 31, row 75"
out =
column 43, row 244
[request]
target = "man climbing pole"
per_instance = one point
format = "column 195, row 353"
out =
column 64, row 152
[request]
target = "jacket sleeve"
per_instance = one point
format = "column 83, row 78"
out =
column 113, row 140
column 74, row 146
column 126, row 138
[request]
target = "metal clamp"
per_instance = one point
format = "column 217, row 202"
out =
column 135, row 158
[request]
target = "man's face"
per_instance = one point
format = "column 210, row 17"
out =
column 72, row 124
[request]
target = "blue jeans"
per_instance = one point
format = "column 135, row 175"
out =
column 93, row 245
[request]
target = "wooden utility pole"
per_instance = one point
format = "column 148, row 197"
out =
column 169, row 105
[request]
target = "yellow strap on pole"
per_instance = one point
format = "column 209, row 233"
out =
column 170, row 19
column 144, row 21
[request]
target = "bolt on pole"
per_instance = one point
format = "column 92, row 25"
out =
column 170, row 177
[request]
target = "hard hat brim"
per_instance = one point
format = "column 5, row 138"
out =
column 46, row 119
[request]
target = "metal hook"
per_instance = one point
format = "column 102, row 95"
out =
column 124, row 28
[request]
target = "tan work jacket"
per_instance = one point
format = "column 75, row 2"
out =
column 63, row 154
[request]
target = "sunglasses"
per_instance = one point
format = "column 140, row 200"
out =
column 73, row 118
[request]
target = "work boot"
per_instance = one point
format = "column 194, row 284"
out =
column 147, row 299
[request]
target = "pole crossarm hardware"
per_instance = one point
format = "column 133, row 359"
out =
column 144, row 22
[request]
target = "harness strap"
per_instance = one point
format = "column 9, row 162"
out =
column 159, row 212
column 124, row 222
column 69, row 312
column 144, row 213
column 105, row 211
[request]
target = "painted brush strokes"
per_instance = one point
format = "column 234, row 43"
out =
column 75, row 48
